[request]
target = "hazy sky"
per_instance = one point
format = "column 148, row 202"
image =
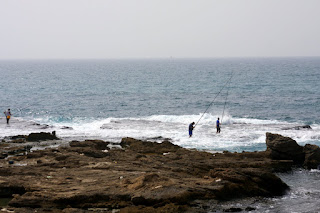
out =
column 158, row 28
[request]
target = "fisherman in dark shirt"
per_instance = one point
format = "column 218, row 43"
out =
column 218, row 126
column 191, row 127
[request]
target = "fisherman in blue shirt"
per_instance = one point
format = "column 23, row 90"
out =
column 191, row 127
column 218, row 126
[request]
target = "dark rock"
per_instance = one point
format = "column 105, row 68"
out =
column 3, row 155
column 303, row 127
column 45, row 126
column 95, row 144
column 90, row 148
column 7, row 150
column 67, row 127
column 298, row 127
column 140, row 201
column 15, row 139
column 20, row 140
column 233, row 209
column 284, row 148
column 245, row 182
column 249, row 208
column 160, row 138
column 312, row 156
column 89, row 152
column 30, row 201
column 18, row 137
column 8, row 191
column 42, row 136
column 36, row 154
column 18, row 150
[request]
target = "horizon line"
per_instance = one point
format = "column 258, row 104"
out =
column 153, row 58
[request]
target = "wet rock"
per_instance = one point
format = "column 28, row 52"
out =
column 298, row 127
column 67, row 127
column 312, row 156
column 41, row 126
column 18, row 137
column 284, row 148
column 233, row 209
column 160, row 138
column 42, row 136
column 15, row 139
column 19, row 149
column 249, row 208
column 20, row 140
column 15, row 150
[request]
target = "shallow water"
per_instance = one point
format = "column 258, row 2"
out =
column 303, row 196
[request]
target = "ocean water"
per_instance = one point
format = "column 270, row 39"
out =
column 158, row 98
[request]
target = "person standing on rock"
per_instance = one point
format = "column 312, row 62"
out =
column 8, row 115
column 218, row 125
column 191, row 127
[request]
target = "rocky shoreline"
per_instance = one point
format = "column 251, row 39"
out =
column 140, row 176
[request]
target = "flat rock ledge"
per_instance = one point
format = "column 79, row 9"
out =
column 139, row 176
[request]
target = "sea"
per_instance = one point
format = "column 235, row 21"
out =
column 157, row 99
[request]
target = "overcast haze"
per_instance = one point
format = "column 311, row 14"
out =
column 56, row 29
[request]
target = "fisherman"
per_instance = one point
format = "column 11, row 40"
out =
column 218, row 126
column 191, row 127
column 8, row 115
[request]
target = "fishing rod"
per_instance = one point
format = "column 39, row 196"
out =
column 225, row 103
column 229, row 80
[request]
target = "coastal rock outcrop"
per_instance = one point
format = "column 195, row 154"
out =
column 298, row 127
column 284, row 148
column 42, row 136
column 312, row 156
column 140, row 176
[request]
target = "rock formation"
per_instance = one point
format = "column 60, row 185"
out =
column 298, row 127
column 42, row 136
column 312, row 156
column 139, row 176
column 285, row 148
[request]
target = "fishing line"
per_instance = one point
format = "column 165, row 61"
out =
column 215, row 98
column 225, row 103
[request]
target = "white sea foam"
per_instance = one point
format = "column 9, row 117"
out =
column 237, row 134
